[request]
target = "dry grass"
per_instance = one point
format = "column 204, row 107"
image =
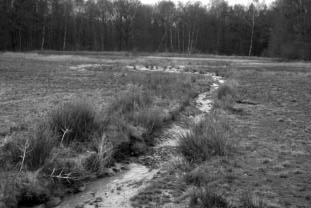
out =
column 132, row 99
column 203, row 197
column 152, row 119
column 206, row 139
column 41, row 145
column 31, row 151
column 178, row 87
column 248, row 201
column 23, row 188
column 226, row 95
column 102, row 158
column 74, row 121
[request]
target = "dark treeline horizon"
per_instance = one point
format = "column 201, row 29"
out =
column 281, row 30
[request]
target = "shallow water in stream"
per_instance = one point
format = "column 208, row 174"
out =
column 116, row 191
column 112, row 191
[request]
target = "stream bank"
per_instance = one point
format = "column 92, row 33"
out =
column 122, row 189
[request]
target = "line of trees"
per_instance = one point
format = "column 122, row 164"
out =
column 284, row 29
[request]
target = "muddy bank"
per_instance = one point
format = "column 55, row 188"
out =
column 114, row 191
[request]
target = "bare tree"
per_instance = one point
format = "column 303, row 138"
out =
column 253, row 26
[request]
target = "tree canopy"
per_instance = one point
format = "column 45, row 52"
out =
column 283, row 30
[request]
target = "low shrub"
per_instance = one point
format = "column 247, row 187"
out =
column 207, row 138
column 74, row 121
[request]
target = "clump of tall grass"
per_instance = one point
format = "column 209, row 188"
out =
column 202, row 197
column 206, row 139
column 74, row 121
column 103, row 155
column 248, row 201
column 30, row 151
column 152, row 119
column 22, row 189
column 41, row 144
column 163, row 85
column 134, row 107
column 226, row 95
column 130, row 100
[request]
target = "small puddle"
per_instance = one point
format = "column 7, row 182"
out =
column 168, row 69
column 84, row 67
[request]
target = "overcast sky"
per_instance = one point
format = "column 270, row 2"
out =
column 231, row 2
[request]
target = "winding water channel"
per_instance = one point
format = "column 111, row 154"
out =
column 116, row 191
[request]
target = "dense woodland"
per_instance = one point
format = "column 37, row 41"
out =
column 282, row 29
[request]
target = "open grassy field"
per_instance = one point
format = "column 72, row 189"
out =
column 253, row 148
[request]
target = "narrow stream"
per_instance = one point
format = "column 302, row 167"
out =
column 116, row 191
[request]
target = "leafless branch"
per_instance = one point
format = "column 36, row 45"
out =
column 23, row 156
column 62, row 176
column 65, row 131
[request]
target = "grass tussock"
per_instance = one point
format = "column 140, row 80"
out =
column 197, row 177
column 152, row 119
column 178, row 87
column 248, row 201
column 74, row 121
column 41, row 144
column 135, row 107
column 206, row 139
column 203, row 197
column 31, row 151
column 22, row 189
column 133, row 98
column 226, row 95
column 102, row 157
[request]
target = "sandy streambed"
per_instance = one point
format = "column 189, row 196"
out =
column 112, row 191
column 117, row 191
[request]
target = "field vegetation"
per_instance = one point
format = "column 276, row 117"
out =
column 76, row 140
column 63, row 124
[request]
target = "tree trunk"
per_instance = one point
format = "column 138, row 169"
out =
column 103, row 38
column 183, row 39
column 178, row 40
column 252, row 35
column 162, row 39
column 192, row 40
column 189, row 41
column 20, row 39
column 43, row 37
column 171, row 39
column 196, row 39
column 64, row 40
